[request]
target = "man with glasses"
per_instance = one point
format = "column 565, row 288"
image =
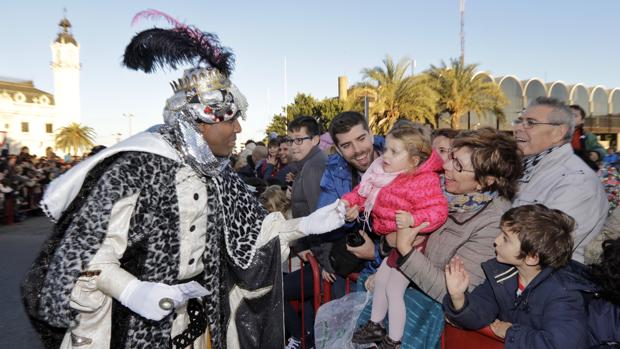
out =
column 553, row 175
column 303, row 139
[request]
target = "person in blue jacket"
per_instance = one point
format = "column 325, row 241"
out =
column 356, row 148
column 533, row 296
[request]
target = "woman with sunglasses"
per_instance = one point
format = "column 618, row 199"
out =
column 480, row 179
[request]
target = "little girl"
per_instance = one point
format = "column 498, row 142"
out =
column 402, row 184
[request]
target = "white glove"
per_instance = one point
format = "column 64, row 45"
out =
column 323, row 220
column 152, row 300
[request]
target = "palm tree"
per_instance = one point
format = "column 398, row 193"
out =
column 461, row 90
column 395, row 95
column 76, row 137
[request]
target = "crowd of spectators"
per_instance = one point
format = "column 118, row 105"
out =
column 24, row 177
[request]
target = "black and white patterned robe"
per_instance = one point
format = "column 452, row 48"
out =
column 241, row 257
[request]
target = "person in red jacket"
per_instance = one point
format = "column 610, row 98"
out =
column 400, row 189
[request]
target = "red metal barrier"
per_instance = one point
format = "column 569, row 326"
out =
column 453, row 338
column 318, row 296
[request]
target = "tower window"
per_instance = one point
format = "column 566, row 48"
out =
column 49, row 128
column 25, row 127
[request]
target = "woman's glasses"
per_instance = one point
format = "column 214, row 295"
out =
column 456, row 163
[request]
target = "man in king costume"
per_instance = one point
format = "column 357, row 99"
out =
column 157, row 242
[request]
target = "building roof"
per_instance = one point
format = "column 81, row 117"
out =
column 23, row 91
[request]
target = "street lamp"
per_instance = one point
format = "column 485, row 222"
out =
column 129, row 116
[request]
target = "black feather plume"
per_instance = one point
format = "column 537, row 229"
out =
column 160, row 48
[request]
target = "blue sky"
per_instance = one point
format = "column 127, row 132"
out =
column 573, row 41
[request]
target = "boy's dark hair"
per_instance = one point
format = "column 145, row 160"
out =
column 578, row 108
column 344, row 122
column 543, row 231
column 310, row 123
column 607, row 273
column 274, row 142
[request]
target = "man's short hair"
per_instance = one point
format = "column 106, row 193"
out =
column 543, row 231
column 579, row 109
column 560, row 113
column 449, row 133
column 310, row 123
column 344, row 122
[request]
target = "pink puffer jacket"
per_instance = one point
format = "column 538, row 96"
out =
column 418, row 192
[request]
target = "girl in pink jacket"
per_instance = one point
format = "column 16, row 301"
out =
column 401, row 185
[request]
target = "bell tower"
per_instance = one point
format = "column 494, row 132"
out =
column 66, row 67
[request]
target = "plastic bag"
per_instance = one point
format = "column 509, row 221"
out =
column 335, row 321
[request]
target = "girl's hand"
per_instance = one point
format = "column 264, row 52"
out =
column 404, row 219
column 352, row 212
column 272, row 159
column 457, row 281
column 500, row 327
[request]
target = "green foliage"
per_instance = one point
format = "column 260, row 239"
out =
column 394, row 95
column 460, row 90
column 75, row 137
column 323, row 110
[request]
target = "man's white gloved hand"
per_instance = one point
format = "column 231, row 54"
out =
column 323, row 220
column 153, row 300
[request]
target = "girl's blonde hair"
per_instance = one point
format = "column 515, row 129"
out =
column 416, row 137
column 274, row 199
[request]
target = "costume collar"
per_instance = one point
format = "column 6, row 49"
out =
column 63, row 190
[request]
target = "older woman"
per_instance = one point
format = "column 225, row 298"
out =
column 481, row 176
column 480, row 179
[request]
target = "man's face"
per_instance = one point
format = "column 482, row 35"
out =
column 221, row 137
column 533, row 140
column 283, row 153
column 508, row 247
column 356, row 147
column 300, row 151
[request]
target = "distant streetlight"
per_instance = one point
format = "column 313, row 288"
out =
column 129, row 116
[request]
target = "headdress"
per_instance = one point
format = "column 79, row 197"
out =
column 203, row 95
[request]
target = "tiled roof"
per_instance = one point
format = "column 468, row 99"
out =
column 24, row 92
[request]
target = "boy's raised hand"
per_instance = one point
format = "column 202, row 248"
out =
column 457, row 281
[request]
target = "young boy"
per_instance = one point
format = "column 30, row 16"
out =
column 532, row 296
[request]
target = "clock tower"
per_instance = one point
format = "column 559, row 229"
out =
column 66, row 67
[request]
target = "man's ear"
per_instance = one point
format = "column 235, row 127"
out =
column 532, row 260
column 316, row 140
column 559, row 132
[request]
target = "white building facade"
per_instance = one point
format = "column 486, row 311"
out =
column 31, row 117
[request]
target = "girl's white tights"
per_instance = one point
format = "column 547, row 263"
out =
column 389, row 297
